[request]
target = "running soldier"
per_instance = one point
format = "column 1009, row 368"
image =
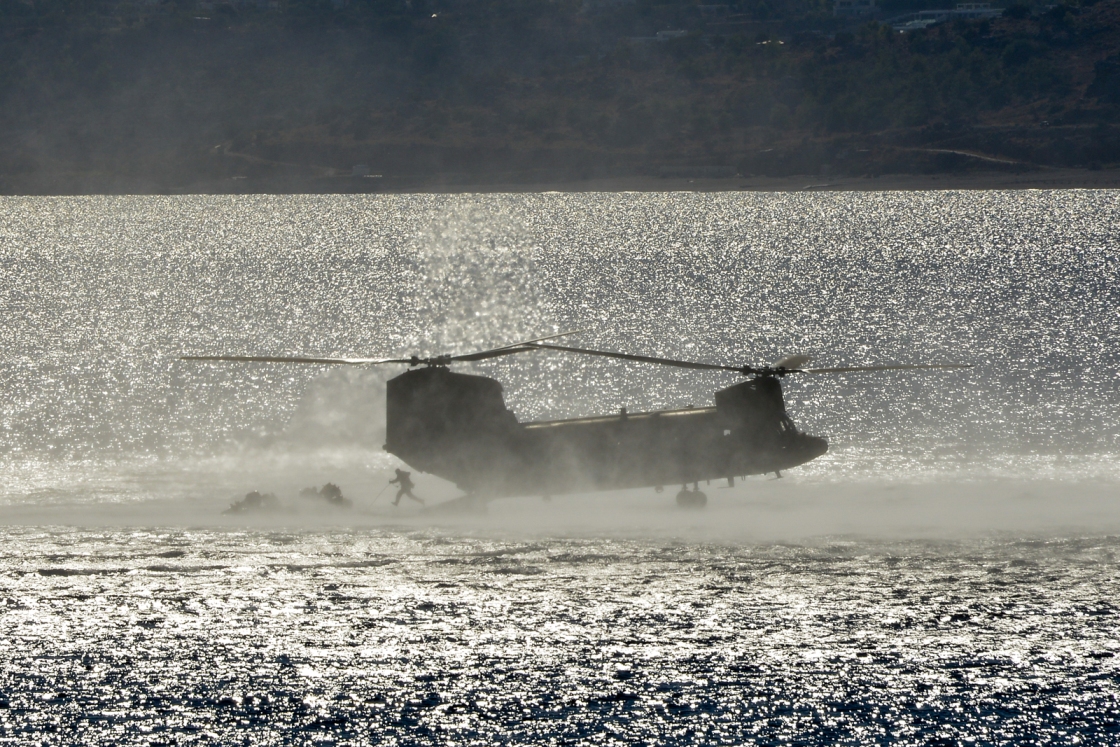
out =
column 404, row 480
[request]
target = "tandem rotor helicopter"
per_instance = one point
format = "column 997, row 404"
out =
column 456, row 426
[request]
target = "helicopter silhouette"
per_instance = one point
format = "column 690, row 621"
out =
column 456, row 426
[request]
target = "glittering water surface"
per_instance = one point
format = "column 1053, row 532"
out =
column 420, row 637
column 946, row 574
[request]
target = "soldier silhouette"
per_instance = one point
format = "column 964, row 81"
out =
column 404, row 480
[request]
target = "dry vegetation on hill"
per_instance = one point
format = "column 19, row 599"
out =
column 106, row 96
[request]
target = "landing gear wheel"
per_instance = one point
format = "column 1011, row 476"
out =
column 691, row 499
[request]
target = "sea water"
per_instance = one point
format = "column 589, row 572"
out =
column 946, row 574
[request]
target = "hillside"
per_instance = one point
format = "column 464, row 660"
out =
column 398, row 94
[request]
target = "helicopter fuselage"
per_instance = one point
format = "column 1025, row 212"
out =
column 456, row 426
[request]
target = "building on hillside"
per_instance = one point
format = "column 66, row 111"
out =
column 854, row 7
column 976, row 10
column 926, row 18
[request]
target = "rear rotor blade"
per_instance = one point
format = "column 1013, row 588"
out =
column 645, row 359
column 516, row 347
column 490, row 354
column 440, row 360
column 290, row 359
column 901, row 367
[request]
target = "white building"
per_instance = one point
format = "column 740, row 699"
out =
column 926, row 18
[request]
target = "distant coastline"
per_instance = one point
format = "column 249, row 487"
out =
column 995, row 180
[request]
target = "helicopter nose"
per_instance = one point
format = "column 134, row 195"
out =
column 814, row 446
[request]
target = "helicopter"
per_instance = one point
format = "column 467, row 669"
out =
column 456, row 426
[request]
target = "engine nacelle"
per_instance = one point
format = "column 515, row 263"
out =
column 755, row 409
column 448, row 423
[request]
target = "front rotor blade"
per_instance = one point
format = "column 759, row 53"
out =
column 905, row 367
column 643, row 358
column 287, row 359
column 791, row 361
